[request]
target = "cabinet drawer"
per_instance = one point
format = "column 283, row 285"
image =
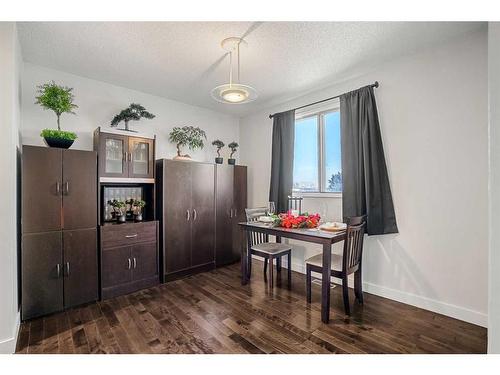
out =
column 127, row 234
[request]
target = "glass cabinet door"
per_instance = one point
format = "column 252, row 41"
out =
column 141, row 161
column 113, row 155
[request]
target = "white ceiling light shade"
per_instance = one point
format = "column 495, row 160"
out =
column 234, row 92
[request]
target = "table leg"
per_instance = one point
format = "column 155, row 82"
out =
column 325, row 283
column 244, row 257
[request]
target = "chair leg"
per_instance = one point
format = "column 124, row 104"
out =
column 358, row 286
column 290, row 269
column 271, row 271
column 278, row 264
column 308, row 283
column 345, row 295
column 265, row 268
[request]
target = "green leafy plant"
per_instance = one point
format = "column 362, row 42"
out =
column 187, row 136
column 233, row 146
column 118, row 206
column 134, row 112
column 219, row 144
column 56, row 98
column 61, row 134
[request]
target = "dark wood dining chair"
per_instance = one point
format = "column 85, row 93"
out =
column 343, row 265
column 258, row 244
column 295, row 203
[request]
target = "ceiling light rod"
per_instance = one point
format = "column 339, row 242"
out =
column 374, row 85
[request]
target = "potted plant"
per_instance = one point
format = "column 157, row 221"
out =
column 219, row 144
column 137, row 206
column 186, row 136
column 119, row 210
column 60, row 100
column 233, row 146
column 134, row 112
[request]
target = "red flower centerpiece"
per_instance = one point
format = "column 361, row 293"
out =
column 297, row 221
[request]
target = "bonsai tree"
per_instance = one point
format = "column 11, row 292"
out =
column 134, row 112
column 138, row 205
column 233, row 146
column 219, row 144
column 118, row 206
column 187, row 136
column 60, row 100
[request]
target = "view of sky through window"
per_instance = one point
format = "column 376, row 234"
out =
column 333, row 166
column 305, row 162
column 306, row 168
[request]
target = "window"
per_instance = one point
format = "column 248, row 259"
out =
column 317, row 162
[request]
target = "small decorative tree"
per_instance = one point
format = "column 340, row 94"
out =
column 60, row 100
column 187, row 136
column 219, row 144
column 56, row 98
column 134, row 112
column 234, row 147
column 119, row 208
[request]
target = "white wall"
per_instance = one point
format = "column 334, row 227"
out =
column 98, row 102
column 494, row 100
column 10, row 62
column 433, row 115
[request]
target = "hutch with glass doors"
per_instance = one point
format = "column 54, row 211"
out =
column 128, row 230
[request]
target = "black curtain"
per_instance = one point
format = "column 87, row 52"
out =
column 282, row 159
column 366, row 189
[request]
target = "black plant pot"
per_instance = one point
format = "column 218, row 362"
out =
column 219, row 160
column 231, row 161
column 58, row 142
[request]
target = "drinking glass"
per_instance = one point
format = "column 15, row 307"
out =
column 271, row 209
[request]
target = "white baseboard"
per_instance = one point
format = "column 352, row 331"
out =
column 453, row 311
column 8, row 346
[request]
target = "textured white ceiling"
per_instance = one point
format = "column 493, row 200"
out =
column 184, row 61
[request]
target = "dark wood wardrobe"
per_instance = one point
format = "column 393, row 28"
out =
column 59, row 236
column 231, row 201
column 198, row 205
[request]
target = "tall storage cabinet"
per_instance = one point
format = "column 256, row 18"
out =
column 199, row 206
column 59, row 240
column 231, row 201
column 128, row 250
column 186, row 207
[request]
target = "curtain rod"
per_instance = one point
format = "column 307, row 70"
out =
column 375, row 85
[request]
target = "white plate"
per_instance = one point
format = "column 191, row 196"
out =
column 333, row 227
column 265, row 219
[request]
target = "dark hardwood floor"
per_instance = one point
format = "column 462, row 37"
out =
column 212, row 313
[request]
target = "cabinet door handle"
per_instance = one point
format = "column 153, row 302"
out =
column 135, row 263
column 129, row 264
column 67, row 268
column 195, row 214
column 58, row 188
column 58, row 268
column 66, row 188
column 129, row 156
column 230, row 212
column 188, row 215
column 131, row 235
column 234, row 214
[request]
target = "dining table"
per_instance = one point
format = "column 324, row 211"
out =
column 313, row 235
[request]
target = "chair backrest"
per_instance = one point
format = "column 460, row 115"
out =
column 253, row 214
column 353, row 245
column 295, row 203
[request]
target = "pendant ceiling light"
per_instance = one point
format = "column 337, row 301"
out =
column 233, row 92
